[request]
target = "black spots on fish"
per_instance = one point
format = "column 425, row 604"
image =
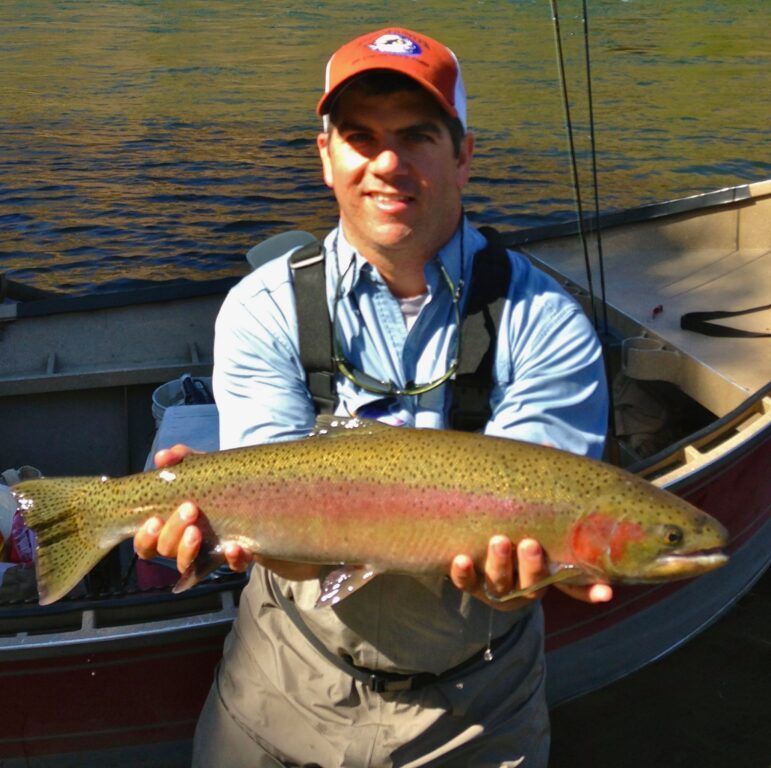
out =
column 53, row 534
column 585, row 485
column 700, row 522
column 55, row 523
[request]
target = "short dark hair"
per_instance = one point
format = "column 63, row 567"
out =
column 384, row 83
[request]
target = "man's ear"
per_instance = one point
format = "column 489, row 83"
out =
column 322, row 142
column 464, row 159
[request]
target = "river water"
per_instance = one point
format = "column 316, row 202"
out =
column 158, row 139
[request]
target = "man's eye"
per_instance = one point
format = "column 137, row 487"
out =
column 357, row 138
column 419, row 137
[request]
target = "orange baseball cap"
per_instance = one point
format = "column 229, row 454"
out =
column 427, row 61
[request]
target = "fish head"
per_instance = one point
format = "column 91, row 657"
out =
column 647, row 535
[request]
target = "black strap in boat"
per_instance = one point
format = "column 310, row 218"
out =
column 314, row 327
column 699, row 322
column 490, row 280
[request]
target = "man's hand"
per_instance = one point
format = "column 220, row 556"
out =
column 506, row 570
column 179, row 537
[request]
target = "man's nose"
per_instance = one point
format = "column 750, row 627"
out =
column 388, row 161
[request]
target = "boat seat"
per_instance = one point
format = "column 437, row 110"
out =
column 278, row 245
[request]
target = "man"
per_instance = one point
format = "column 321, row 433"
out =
column 290, row 690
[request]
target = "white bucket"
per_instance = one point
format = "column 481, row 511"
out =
column 7, row 511
column 172, row 393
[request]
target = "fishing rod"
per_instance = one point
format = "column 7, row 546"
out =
column 577, row 191
column 595, row 183
column 574, row 162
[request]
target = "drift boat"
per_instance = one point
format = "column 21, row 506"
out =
column 692, row 413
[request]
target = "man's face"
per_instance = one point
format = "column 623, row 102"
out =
column 391, row 164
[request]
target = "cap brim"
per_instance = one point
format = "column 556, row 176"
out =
column 324, row 107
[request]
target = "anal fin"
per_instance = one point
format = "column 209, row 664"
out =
column 209, row 558
column 564, row 573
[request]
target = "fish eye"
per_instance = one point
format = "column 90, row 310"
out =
column 673, row 535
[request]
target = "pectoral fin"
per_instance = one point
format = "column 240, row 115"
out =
column 565, row 573
column 343, row 582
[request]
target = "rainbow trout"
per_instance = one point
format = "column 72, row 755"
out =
column 393, row 499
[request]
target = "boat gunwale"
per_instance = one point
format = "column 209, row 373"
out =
column 166, row 291
column 706, row 434
column 741, row 193
column 89, row 636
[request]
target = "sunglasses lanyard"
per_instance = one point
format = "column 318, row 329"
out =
column 379, row 386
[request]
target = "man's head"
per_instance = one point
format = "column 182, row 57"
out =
column 395, row 150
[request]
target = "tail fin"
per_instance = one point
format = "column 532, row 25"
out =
column 67, row 546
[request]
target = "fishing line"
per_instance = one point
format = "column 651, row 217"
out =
column 595, row 183
column 572, row 148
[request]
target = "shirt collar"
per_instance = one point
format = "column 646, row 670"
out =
column 456, row 256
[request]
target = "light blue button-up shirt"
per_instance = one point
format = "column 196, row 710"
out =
column 549, row 381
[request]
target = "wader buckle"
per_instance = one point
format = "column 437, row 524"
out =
column 383, row 682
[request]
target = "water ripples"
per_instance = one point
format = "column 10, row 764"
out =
column 141, row 143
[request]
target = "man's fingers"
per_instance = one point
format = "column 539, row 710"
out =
column 146, row 538
column 499, row 566
column 181, row 538
column 171, row 534
column 462, row 573
column 532, row 566
column 503, row 572
column 168, row 457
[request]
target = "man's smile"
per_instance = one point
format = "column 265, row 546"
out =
column 390, row 202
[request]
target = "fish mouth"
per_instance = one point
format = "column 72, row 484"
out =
column 683, row 565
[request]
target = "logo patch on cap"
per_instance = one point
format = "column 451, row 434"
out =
column 397, row 44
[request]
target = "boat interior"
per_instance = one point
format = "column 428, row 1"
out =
column 709, row 254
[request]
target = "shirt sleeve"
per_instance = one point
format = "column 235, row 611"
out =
column 259, row 383
column 550, row 378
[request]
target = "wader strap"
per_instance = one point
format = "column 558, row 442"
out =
column 314, row 327
column 698, row 322
column 471, row 388
column 375, row 680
